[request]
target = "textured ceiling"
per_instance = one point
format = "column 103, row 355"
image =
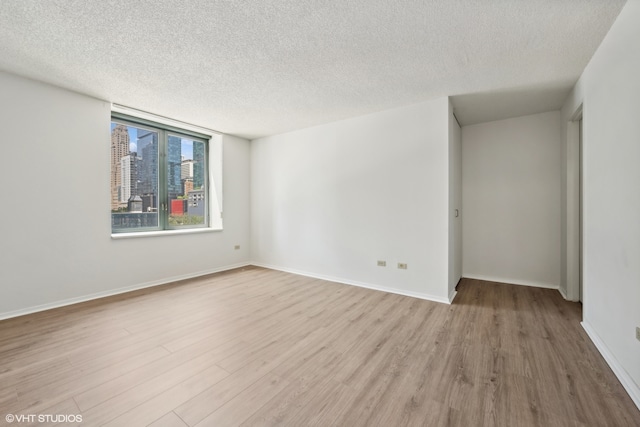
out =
column 261, row 67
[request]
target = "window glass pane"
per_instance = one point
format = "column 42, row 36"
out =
column 134, row 177
column 186, row 181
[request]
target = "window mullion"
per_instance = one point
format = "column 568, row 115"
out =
column 162, row 180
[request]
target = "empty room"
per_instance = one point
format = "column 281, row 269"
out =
column 320, row 212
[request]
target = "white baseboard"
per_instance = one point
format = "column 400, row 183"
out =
column 625, row 379
column 563, row 293
column 84, row 298
column 511, row 281
column 419, row 295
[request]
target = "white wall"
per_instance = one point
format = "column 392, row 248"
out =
column 455, row 202
column 55, row 222
column 512, row 200
column 609, row 90
column 331, row 200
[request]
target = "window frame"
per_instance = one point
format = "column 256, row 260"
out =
column 164, row 130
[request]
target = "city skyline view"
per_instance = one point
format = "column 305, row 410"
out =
column 135, row 186
column 186, row 144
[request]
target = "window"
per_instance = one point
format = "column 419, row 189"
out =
column 160, row 178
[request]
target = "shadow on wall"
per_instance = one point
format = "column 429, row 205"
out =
column 481, row 107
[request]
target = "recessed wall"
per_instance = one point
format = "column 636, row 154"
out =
column 512, row 200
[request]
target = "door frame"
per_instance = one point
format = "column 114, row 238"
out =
column 575, row 211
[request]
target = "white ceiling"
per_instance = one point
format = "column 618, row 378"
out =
column 261, row 67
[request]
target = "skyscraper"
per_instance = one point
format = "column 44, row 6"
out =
column 125, row 178
column 148, row 172
column 174, row 166
column 186, row 171
column 198, row 165
column 129, row 176
column 119, row 149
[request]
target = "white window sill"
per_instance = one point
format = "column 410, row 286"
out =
column 118, row 236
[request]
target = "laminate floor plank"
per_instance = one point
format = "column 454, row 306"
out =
column 63, row 412
column 244, row 405
column 76, row 378
column 327, row 407
column 383, row 384
column 47, row 367
column 14, row 360
column 202, row 405
column 34, row 396
column 8, row 395
column 169, row 420
column 284, row 407
column 258, row 347
column 141, row 393
column 113, row 387
column 149, row 411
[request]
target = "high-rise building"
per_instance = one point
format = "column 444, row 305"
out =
column 148, row 171
column 125, row 179
column 186, row 170
column 174, row 164
column 187, row 185
column 129, row 176
column 119, row 149
column 198, row 165
column 145, row 137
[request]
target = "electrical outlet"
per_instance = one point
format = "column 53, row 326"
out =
column 638, row 333
column 236, row 247
column 382, row 263
column 402, row 266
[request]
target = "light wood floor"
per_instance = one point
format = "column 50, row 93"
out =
column 256, row 347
